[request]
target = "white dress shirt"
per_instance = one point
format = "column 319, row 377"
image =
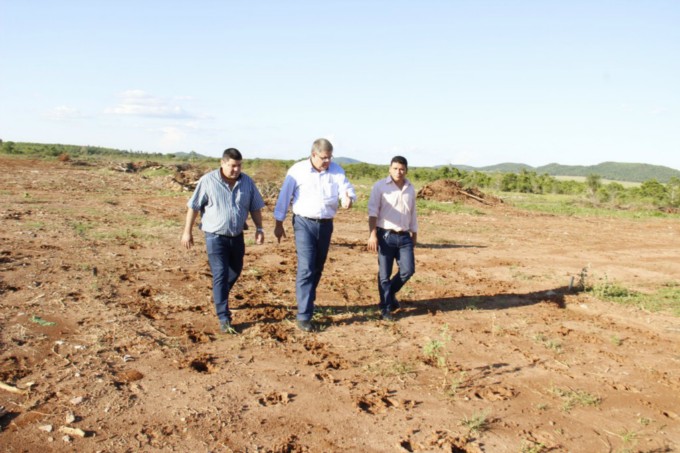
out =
column 314, row 194
column 394, row 208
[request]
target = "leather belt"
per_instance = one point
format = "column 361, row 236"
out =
column 400, row 233
column 315, row 220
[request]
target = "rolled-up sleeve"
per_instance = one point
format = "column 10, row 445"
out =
column 347, row 187
column 285, row 196
column 199, row 198
column 374, row 201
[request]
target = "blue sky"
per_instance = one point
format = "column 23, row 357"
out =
column 461, row 82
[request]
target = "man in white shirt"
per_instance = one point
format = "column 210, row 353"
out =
column 315, row 187
column 393, row 227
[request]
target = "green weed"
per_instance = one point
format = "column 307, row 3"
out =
column 476, row 424
column 666, row 298
column 529, row 446
column 574, row 398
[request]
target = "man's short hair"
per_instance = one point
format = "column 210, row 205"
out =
column 231, row 153
column 400, row 160
column 322, row 145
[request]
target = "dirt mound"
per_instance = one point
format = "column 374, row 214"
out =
column 135, row 167
column 186, row 176
column 453, row 191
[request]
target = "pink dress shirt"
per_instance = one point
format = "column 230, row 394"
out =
column 394, row 208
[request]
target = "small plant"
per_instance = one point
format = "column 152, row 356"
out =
column 476, row 424
column 445, row 334
column 529, row 446
column 607, row 290
column 433, row 352
column 616, row 340
column 81, row 228
column 434, row 349
column 583, row 278
column 573, row 398
column 644, row 421
column 455, row 384
column 554, row 345
column 548, row 343
column 629, row 437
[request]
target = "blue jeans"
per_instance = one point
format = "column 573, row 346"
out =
column 225, row 255
column 312, row 241
column 393, row 247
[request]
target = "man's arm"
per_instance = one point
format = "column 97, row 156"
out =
column 259, row 231
column 414, row 220
column 282, row 204
column 285, row 196
column 373, row 234
column 187, row 236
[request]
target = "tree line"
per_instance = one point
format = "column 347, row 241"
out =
column 650, row 192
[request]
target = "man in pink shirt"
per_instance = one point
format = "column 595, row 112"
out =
column 393, row 227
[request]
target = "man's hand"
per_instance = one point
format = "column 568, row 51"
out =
column 372, row 242
column 187, row 240
column 346, row 201
column 259, row 236
column 279, row 232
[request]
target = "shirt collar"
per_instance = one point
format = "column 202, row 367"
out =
column 389, row 180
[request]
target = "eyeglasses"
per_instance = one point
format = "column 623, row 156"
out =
column 324, row 158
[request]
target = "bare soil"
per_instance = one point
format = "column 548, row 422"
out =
column 109, row 340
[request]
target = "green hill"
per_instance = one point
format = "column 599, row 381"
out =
column 615, row 171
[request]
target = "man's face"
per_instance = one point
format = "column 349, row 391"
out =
column 322, row 159
column 231, row 169
column 398, row 171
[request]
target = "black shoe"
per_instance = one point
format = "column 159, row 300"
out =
column 387, row 316
column 395, row 306
column 227, row 328
column 305, row 326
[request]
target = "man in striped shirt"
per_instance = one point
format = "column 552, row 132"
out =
column 393, row 232
column 224, row 197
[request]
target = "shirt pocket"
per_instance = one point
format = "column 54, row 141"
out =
column 329, row 191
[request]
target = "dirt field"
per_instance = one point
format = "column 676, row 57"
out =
column 109, row 340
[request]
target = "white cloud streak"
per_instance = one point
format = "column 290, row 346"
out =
column 64, row 112
column 143, row 104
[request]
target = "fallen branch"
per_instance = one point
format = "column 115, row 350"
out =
column 481, row 200
column 12, row 389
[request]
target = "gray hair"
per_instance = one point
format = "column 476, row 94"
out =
column 321, row 145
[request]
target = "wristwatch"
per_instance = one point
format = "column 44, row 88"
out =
column 259, row 230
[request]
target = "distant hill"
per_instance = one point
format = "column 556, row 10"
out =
column 345, row 160
column 190, row 155
column 507, row 167
column 616, row 171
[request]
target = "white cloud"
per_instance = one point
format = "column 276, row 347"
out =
column 172, row 137
column 141, row 103
column 64, row 112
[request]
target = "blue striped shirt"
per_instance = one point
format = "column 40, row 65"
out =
column 223, row 209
